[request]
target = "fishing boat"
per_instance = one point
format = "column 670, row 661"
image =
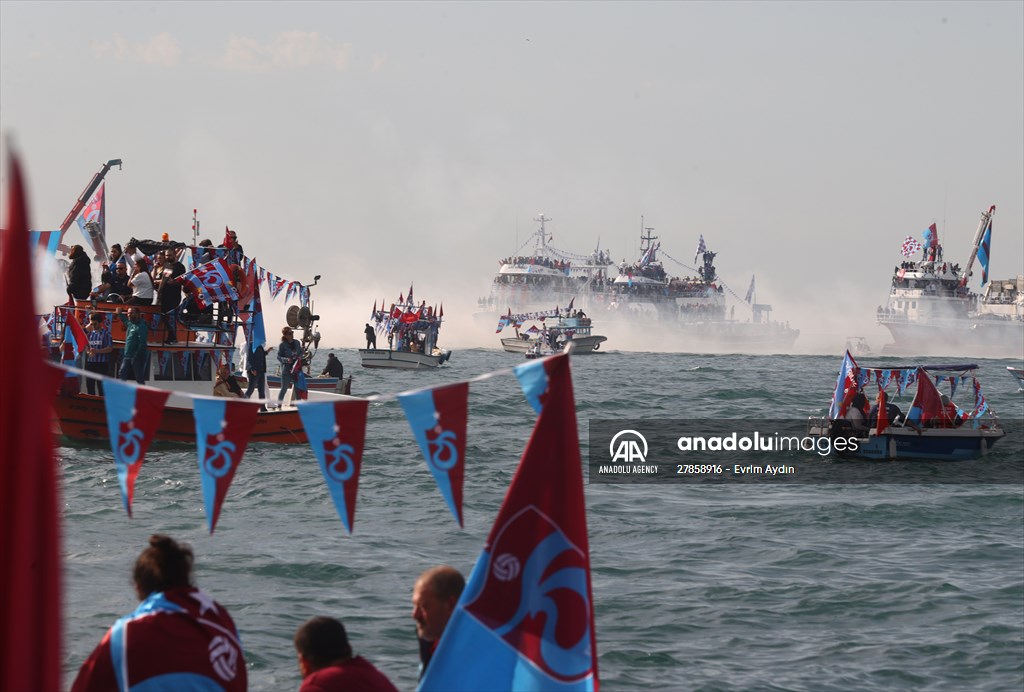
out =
column 931, row 308
column 858, row 346
column 556, row 330
column 412, row 332
column 934, row 427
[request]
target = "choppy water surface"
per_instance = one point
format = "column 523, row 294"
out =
column 718, row 587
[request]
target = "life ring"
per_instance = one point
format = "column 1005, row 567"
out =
column 597, row 345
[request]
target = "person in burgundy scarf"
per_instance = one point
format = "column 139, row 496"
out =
column 328, row 664
column 178, row 638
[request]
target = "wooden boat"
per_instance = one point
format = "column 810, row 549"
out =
column 186, row 367
column 412, row 331
column 933, row 429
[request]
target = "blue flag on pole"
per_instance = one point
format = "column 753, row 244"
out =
column 985, row 252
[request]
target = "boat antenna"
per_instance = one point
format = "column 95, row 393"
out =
column 195, row 227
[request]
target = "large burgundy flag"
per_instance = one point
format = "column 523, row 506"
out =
column 525, row 620
column 30, row 588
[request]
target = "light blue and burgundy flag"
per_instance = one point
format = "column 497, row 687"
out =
column 74, row 333
column 133, row 414
column 44, row 241
column 337, row 432
column 94, row 212
column 931, row 236
column 533, row 378
column 927, row 403
column 525, row 620
column 438, row 421
column 846, row 388
column 222, row 433
column 212, row 282
column 299, row 378
column 985, row 252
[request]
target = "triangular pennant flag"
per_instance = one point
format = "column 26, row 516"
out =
column 533, row 379
column 222, row 433
column 336, row 432
column 133, row 414
column 525, row 620
column 883, row 412
column 438, row 421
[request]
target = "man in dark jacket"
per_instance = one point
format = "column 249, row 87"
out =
column 256, row 371
column 334, row 367
column 79, row 274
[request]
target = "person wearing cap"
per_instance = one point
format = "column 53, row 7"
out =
column 334, row 367
column 289, row 352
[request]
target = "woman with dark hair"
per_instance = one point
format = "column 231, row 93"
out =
column 79, row 274
column 142, row 284
column 178, row 638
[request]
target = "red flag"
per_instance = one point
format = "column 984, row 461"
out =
column 30, row 586
column 229, row 242
column 883, row 412
column 442, row 310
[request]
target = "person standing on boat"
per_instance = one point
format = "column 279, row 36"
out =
column 79, row 274
column 142, row 284
column 136, row 350
column 178, row 638
column 289, row 352
column 170, row 294
column 371, row 336
column 256, row 372
column 97, row 355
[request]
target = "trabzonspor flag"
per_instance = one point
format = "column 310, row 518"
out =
column 910, row 246
column 845, row 384
column 212, row 282
column 133, row 414
column 533, row 378
column 985, row 251
column 95, row 212
column 525, row 620
column 438, row 421
column 337, row 432
column 222, row 433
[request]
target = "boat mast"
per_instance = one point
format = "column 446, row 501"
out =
column 986, row 218
column 541, row 219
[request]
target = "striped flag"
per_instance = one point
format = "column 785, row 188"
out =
column 212, row 282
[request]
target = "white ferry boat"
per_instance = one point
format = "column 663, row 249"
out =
column 932, row 310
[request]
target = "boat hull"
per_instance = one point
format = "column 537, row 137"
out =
column 401, row 360
column 83, row 417
column 582, row 344
column 928, row 444
column 981, row 338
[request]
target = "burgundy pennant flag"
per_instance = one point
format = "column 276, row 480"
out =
column 30, row 585
column 133, row 414
column 223, row 428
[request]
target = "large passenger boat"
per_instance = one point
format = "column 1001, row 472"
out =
column 931, row 308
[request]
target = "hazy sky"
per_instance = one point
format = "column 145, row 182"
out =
column 382, row 143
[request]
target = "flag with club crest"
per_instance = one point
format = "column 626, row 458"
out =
column 93, row 224
column 846, row 388
column 525, row 620
column 931, row 236
column 133, row 414
column 337, row 432
column 222, row 433
column 438, row 421
column 911, row 246
column 31, row 653
column 212, row 282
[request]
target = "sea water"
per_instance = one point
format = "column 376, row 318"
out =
column 894, row 584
